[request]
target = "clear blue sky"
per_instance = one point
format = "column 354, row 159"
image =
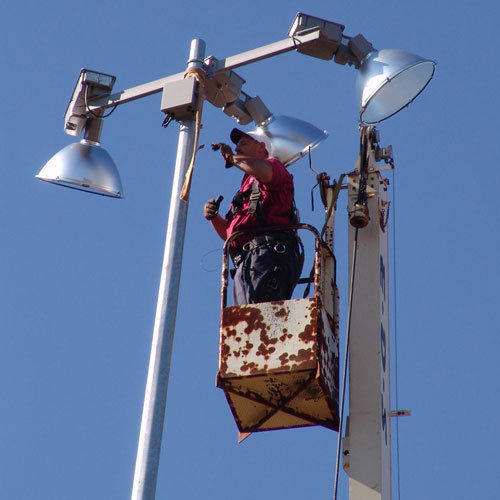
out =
column 80, row 273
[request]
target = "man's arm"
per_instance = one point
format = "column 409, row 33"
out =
column 220, row 225
column 259, row 168
column 211, row 213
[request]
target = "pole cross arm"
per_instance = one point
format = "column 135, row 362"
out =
column 312, row 42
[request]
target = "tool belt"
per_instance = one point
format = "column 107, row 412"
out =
column 279, row 241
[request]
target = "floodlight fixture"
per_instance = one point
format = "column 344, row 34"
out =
column 90, row 84
column 329, row 40
column 291, row 138
column 238, row 111
column 389, row 80
column 221, row 87
column 247, row 110
column 85, row 165
column 258, row 110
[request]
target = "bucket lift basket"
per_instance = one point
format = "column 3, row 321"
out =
column 278, row 361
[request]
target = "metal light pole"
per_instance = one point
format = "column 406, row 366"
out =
column 367, row 441
column 153, row 413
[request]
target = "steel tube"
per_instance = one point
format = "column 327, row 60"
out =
column 231, row 62
column 150, row 436
column 267, row 51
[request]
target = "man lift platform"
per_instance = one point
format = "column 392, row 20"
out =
column 279, row 361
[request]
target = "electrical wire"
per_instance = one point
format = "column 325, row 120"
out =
column 346, row 359
column 317, row 177
column 206, row 256
column 85, row 96
column 361, row 200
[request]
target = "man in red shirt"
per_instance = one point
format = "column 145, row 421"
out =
column 268, row 264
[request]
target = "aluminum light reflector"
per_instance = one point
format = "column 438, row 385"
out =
column 388, row 80
column 291, row 137
column 86, row 166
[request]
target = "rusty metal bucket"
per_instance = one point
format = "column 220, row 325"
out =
column 278, row 361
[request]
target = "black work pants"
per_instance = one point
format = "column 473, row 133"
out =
column 267, row 272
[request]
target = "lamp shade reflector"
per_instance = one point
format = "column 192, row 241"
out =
column 388, row 80
column 86, row 166
column 291, row 137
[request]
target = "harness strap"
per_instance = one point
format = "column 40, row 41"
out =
column 254, row 195
column 255, row 206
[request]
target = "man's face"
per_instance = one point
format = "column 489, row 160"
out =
column 248, row 146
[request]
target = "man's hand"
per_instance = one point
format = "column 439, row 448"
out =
column 225, row 151
column 211, row 209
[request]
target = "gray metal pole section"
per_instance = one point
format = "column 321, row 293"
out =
column 153, row 414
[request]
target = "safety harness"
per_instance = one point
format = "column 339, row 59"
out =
column 254, row 195
column 278, row 241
